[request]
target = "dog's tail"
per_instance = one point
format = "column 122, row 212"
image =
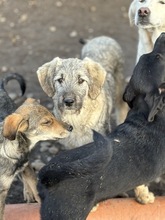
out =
column 83, row 161
column 14, row 76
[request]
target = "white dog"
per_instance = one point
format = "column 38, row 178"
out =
column 149, row 17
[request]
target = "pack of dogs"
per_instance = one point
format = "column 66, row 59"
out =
column 112, row 131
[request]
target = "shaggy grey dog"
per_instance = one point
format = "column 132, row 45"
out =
column 84, row 93
column 109, row 54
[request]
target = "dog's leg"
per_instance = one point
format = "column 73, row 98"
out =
column 3, row 194
column 30, row 184
column 143, row 195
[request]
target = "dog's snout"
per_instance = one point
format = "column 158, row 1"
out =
column 68, row 127
column 68, row 101
column 144, row 12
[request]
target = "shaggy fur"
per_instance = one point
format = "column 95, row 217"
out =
column 149, row 17
column 83, row 92
column 108, row 53
column 74, row 181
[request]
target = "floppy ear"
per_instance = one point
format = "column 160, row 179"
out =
column 129, row 95
column 97, row 75
column 31, row 101
column 131, row 12
column 14, row 123
column 46, row 74
column 158, row 102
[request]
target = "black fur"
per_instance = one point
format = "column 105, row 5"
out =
column 75, row 180
column 7, row 105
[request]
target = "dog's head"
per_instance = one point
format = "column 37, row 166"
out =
column 70, row 81
column 147, row 13
column 148, row 79
column 36, row 122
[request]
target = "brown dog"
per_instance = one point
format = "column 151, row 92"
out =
column 21, row 130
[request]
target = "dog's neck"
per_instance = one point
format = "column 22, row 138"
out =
column 15, row 149
column 147, row 38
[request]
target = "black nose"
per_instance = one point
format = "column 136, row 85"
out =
column 68, row 101
column 69, row 127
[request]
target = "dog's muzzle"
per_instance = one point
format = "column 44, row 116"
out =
column 69, row 102
column 143, row 15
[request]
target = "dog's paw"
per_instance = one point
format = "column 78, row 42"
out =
column 143, row 195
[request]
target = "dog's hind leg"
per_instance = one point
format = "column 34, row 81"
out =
column 30, row 185
column 143, row 195
column 5, row 183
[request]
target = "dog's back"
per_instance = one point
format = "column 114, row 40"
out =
column 107, row 52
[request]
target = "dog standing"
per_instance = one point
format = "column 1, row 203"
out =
column 149, row 17
column 20, row 131
column 75, row 180
column 83, row 92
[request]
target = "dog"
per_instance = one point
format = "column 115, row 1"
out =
column 21, row 129
column 132, row 155
column 109, row 54
column 83, row 92
column 149, row 17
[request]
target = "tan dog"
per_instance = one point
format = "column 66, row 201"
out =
column 81, row 96
column 149, row 17
column 21, row 130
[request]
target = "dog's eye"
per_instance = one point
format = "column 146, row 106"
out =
column 46, row 122
column 141, row 0
column 161, row 2
column 60, row 80
column 80, row 80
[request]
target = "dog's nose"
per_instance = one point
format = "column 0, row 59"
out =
column 68, row 101
column 69, row 127
column 144, row 12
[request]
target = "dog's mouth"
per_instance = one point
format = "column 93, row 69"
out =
column 146, row 24
column 70, row 109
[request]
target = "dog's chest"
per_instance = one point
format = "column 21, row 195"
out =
column 82, row 131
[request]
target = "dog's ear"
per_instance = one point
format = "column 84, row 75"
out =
column 131, row 13
column 46, row 74
column 14, row 123
column 31, row 101
column 129, row 95
column 97, row 75
column 158, row 102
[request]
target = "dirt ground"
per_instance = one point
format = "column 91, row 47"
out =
column 33, row 32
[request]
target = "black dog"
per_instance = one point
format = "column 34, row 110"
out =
column 74, row 181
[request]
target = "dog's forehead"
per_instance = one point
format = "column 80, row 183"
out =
column 72, row 64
